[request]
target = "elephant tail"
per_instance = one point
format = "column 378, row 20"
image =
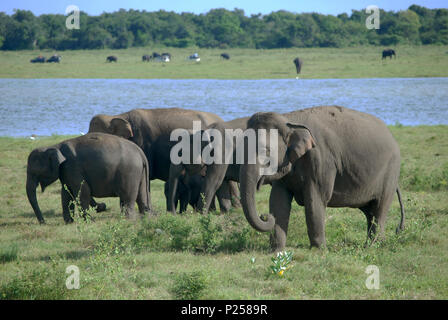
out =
column 146, row 174
column 401, row 225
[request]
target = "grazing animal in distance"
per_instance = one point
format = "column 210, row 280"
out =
column 39, row 59
column 298, row 63
column 225, row 56
column 388, row 53
column 111, row 59
column 55, row 58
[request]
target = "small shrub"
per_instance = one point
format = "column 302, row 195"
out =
column 9, row 253
column 189, row 286
column 42, row 283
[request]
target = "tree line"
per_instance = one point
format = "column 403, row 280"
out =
column 221, row 28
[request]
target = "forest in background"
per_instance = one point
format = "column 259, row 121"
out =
column 221, row 28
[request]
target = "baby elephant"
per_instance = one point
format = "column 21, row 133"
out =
column 93, row 165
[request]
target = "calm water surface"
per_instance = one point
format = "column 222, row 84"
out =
column 65, row 106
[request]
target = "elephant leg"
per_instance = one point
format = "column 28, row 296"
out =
column 235, row 194
column 371, row 223
column 280, row 206
column 315, row 216
column 128, row 197
column 67, row 205
column 213, row 204
column 100, row 207
column 379, row 213
column 224, row 196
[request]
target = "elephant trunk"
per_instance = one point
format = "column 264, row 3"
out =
column 249, row 175
column 214, row 177
column 173, row 182
column 31, row 185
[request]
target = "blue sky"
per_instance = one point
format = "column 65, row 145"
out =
column 96, row 7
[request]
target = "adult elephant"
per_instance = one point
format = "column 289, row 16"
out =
column 327, row 157
column 298, row 63
column 93, row 165
column 220, row 178
column 150, row 129
column 388, row 53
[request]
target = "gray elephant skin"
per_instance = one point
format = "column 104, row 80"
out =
column 188, row 191
column 220, row 179
column 93, row 165
column 150, row 129
column 328, row 157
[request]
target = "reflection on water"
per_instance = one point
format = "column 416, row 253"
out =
column 65, row 106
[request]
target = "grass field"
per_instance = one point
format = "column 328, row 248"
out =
column 220, row 256
column 360, row 62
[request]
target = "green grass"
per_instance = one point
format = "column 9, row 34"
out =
column 358, row 62
column 221, row 256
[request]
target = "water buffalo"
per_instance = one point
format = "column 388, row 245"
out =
column 111, row 59
column 225, row 56
column 38, row 59
column 298, row 62
column 54, row 58
column 388, row 53
column 166, row 56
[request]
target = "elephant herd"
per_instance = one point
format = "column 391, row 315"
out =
column 328, row 156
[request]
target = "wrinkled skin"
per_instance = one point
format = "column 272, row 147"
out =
column 150, row 129
column 220, row 179
column 298, row 63
column 329, row 157
column 93, row 165
column 388, row 53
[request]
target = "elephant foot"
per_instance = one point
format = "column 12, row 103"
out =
column 100, row 207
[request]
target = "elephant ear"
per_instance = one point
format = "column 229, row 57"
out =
column 300, row 140
column 121, row 127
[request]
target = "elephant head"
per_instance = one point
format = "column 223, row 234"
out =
column 43, row 168
column 293, row 142
column 115, row 125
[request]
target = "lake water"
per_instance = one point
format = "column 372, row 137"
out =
column 65, row 106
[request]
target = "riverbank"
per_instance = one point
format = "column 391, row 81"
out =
column 318, row 63
column 221, row 256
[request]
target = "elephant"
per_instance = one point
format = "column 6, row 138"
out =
column 39, row 59
column 220, row 179
column 188, row 192
column 150, row 129
column 298, row 63
column 146, row 58
column 111, row 59
column 328, row 156
column 388, row 53
column 93, row 165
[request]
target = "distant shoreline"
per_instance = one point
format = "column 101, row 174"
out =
column 318, row 63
